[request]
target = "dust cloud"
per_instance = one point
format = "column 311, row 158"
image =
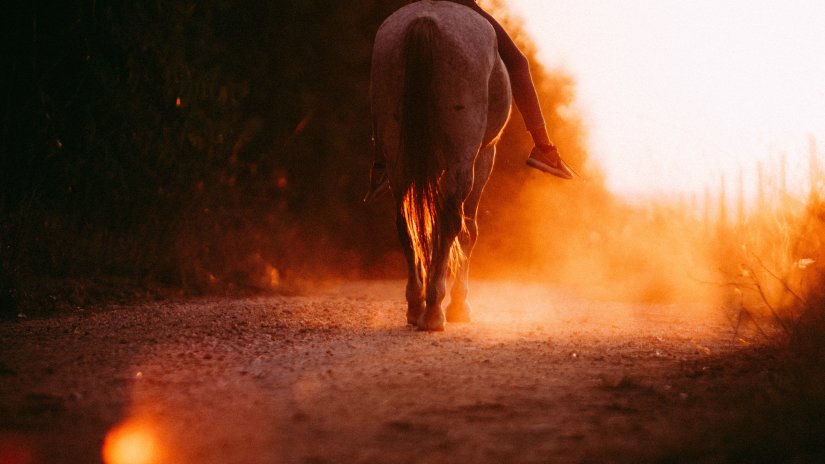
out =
column 576, row 233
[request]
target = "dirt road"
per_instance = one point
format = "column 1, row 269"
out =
column 334, row 375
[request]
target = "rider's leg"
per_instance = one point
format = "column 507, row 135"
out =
column 544, row 156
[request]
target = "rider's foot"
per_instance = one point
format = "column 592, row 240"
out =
column 379, row 183
column 546, row 158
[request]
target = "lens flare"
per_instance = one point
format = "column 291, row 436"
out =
column 131, row 442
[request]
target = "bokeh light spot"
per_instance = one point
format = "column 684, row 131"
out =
column 131, row 442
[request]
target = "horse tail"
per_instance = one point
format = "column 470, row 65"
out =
column 420, row 161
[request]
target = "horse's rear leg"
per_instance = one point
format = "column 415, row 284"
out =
column 451, row 216
column 415, row 293
column 459, row 310
column 433, row 318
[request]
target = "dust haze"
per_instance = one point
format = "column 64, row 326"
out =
column 541, row 229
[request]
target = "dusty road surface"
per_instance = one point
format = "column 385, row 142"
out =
column 334, row 375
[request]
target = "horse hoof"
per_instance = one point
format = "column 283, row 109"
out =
column 414, row 314
column 458, row 313
column 432, row 321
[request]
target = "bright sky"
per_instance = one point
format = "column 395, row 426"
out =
column 677, row 92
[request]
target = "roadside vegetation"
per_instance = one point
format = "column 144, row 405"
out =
column 197, row 146
column 772, row 260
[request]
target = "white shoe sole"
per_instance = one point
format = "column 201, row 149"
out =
column 548, row 169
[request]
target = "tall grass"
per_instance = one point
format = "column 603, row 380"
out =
column 767, row 401
column 773, row 255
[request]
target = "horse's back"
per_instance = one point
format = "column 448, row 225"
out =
column 460, row 26
column 463, row 63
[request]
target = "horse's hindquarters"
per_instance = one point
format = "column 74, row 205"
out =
column 439, row 93
column 469, row 80
column 499, row 103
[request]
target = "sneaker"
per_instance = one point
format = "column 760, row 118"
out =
column 546, row 158
column 379, row 183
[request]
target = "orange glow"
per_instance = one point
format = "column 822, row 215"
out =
column 131, row 442
column 299, row 129
column 580, row 234
column 419, row 212
column 15, row 450
column 177, row 102
column 273, row 275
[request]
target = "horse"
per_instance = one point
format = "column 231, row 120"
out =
column 440, row 97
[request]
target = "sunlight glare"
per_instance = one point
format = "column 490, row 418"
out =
column 131, row 442
column 677, row 94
